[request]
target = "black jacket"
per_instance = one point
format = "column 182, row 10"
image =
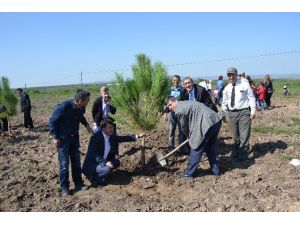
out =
column 96, row 148
column 97, row 110
column 25, row 102
column 201, row 95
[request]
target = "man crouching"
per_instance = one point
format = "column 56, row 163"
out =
column 102, row 153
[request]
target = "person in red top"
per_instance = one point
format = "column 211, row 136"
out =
column 261, row 96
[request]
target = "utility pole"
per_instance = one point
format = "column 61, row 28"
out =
column 25, row 86
column 81, row 78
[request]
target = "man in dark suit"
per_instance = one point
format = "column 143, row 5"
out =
column 25, row 108
column 196, row 92
column 102, row 107
column 102, row 153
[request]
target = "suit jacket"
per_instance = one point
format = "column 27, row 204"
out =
column 97, row 111
column 25, row 102
column 201, row 95
column 195, row 119
column 96, row 148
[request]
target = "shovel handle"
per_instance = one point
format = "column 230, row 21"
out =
column 176, row 149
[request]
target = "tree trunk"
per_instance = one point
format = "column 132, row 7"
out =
column 143, row 153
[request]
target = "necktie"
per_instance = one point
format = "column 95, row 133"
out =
column 105, row 111
column 232, row 96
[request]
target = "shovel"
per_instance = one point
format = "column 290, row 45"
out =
column 162, row 159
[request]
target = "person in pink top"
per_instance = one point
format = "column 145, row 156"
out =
column 261, row 96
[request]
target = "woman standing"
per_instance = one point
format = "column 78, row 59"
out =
column 269, row 86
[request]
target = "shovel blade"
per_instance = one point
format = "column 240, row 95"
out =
column 161, row 160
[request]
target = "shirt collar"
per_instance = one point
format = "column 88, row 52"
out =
column 237, row 82
column 105, row 136
column 103, row 102
column 192, row 91
column 73, row 104
column 176, row 88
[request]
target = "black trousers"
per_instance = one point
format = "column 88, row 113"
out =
column 268, row 99
column 4, row 126
column 28, row 119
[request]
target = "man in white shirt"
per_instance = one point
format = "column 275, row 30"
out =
column 239, row 104
column 102, row 154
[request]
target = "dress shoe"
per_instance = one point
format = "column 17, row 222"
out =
column 81, row 188
column 234, row 154
column 65, row 192
column 186, row 176
column 99, row 182
column 242, row 158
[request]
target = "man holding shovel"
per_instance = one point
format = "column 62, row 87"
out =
column 201, row 125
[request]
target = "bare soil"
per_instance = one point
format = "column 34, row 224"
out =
column 266, row 182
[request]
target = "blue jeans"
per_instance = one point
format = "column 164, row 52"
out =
column 69, row 149
column 209, row 146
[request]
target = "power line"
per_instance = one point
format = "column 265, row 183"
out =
column 173, row 65
column 236, row 58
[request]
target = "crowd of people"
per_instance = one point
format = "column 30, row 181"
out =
column 190, row 108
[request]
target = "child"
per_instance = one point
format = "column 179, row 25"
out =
column 285, row 90
column 261, row 96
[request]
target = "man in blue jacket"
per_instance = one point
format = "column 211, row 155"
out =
column 64, row 128
column 102, row 153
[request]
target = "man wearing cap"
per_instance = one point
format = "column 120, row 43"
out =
column 239, row 104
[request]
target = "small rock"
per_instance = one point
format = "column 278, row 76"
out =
column 31, row 178
column 220, row 209
column 20, row 195
column 146, row 183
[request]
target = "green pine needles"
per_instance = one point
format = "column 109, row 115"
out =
column 140, row 100
column 7, row 98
